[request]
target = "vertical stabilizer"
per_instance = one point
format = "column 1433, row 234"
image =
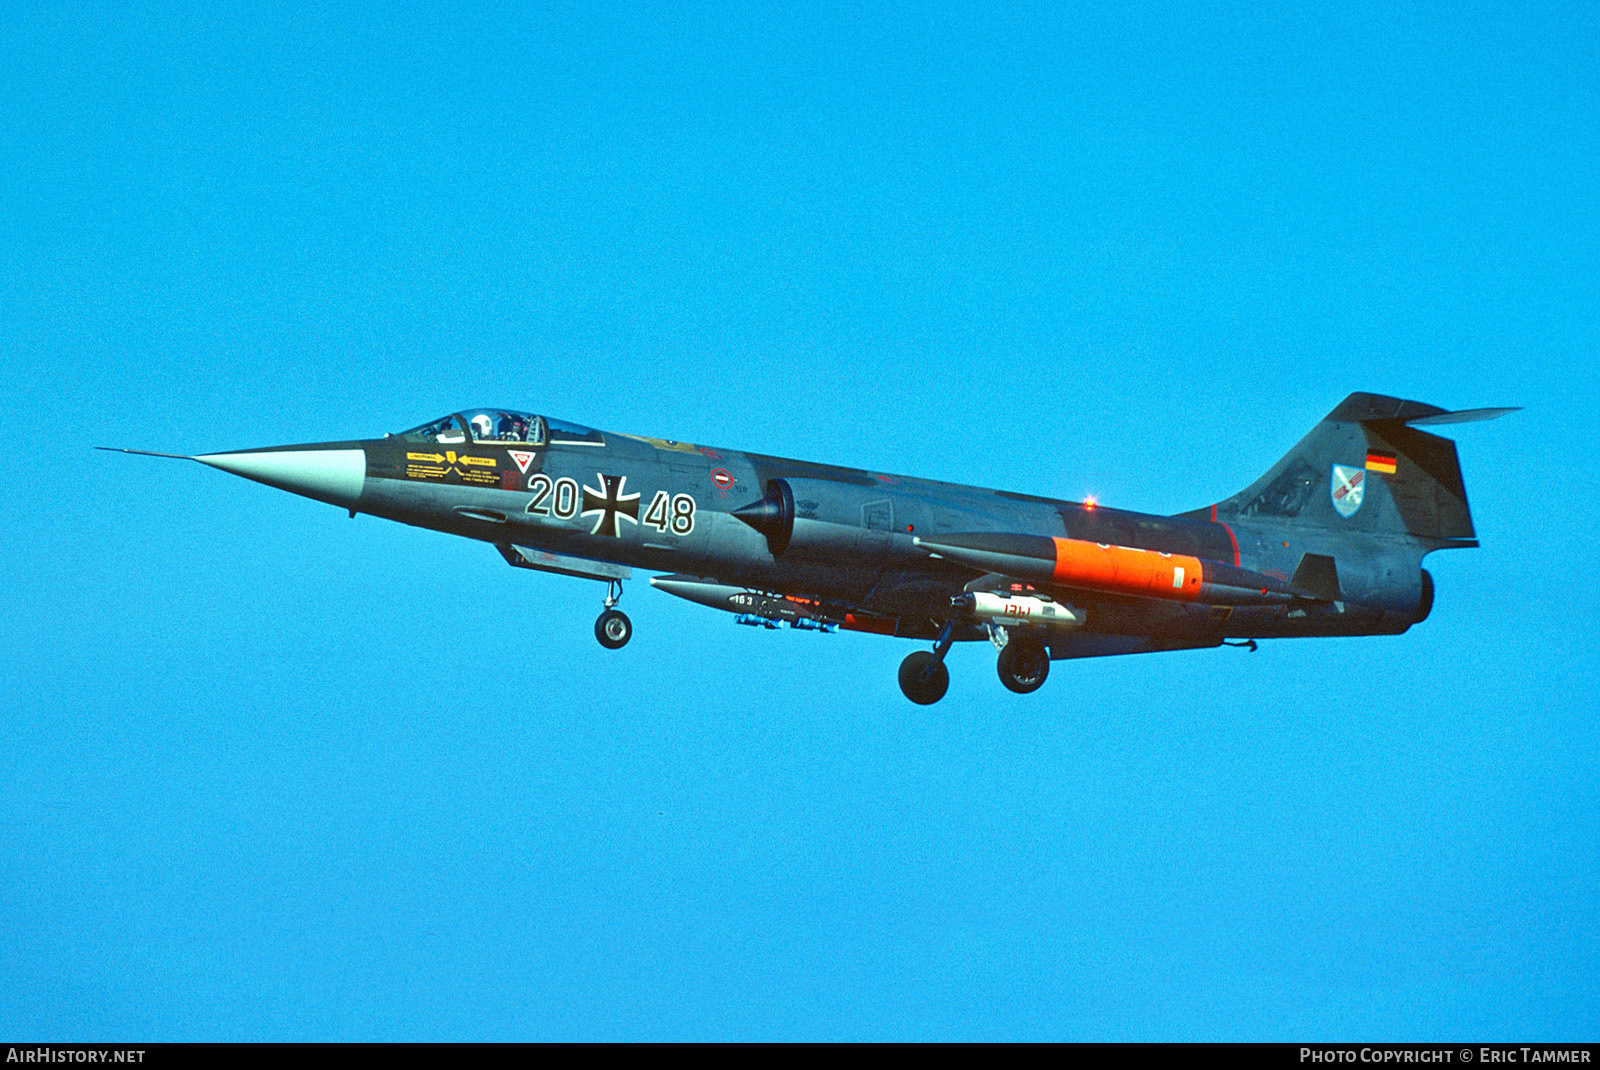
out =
column 1367, row 468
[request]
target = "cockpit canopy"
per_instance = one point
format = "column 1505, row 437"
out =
column 501, row 425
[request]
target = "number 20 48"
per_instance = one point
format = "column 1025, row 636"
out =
column 561, row 498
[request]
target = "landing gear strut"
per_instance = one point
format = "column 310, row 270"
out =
column 1023, row 665
column 613, row 629
column 923, row 676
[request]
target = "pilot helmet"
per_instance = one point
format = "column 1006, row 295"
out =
column 482, row 426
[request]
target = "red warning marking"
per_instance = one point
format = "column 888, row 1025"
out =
column 864, row 623
column 722, row 477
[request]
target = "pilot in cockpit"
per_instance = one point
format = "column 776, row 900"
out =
column 482, row 427
column 512, row 428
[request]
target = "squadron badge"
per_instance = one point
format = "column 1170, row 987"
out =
column 1349, row 488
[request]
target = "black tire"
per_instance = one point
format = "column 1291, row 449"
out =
column 923, row 679
column 613, row 629
column 1023, row 665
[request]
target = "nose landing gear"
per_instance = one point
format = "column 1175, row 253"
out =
column 613, row 628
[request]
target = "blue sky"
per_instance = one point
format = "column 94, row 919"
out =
column 272, row 773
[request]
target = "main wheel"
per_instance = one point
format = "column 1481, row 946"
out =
column 1023, row 665
column 613, row 629
column 923, row 679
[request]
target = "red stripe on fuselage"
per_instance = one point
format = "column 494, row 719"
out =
column 1231, row 538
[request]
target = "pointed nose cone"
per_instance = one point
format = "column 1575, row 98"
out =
column 335, row 476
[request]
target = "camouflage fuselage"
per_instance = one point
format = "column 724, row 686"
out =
column 667, row 506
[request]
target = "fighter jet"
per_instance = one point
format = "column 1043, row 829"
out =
column 1329, row 541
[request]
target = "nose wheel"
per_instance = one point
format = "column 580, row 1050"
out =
column 613, row 628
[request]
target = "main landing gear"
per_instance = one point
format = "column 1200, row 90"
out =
column 613, row 628
column 1023, row 665
column 923, row 676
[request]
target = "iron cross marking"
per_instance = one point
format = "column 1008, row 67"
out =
column 610, row 504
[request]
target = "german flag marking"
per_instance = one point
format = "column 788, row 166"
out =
column 1378, row 461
